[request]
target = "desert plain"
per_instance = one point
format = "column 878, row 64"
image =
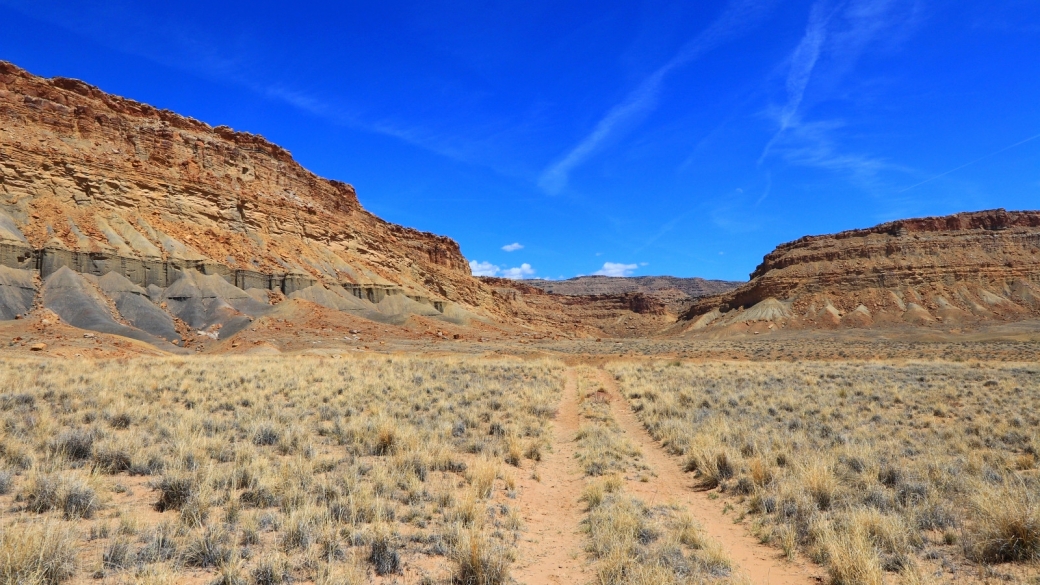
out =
column 218, row 368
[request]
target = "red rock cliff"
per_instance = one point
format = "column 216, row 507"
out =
column 87, row 171
column 968, row 267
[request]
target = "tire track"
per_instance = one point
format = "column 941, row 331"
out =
column 760, row 563
column 551, row 551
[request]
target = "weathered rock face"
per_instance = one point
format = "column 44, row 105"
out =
column 125, row 219
column 105, row 184
column 959, row 269
column 675, row 292
column 632, row 314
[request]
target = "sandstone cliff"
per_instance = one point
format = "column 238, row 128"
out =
column 948, row 271
column 101, row 184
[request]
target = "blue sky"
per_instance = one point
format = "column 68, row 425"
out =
column 553, row 139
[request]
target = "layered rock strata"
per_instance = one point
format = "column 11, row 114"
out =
column 100, row 185
column 675, row 292
column 107, row 179
column 950, row 271
column 620, row 315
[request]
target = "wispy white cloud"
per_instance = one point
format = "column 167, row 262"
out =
column 836, row 35
column 968, row 164
column 738, row 17
column 803, row 60
column 765, row 192
column 616, row 269
column 513, row 247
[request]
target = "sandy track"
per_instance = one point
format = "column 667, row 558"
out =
column 551, row 551
column 760, row 563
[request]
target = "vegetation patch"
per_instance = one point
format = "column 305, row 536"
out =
column 267, row 471
column 868, row 468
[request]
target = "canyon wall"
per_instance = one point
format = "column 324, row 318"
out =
column 94, row 182
column 947, row 271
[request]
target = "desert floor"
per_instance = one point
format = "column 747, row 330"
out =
column 730, row 461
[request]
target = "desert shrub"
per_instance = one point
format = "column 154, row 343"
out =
column 159, row 545
column 120, row 420
column 479, row 560
column 1006, row 524
column 270, row 572
column 9, row 401
column 78, row 500
column 713, row 466
column 386, row 440
column 383, row 554
column 6, row 482
column 75, row 445
column 482, row 477
column 175, row 492
column 266, row 435
column 299, row 532
column 113, row 459
column 195, row 511
column 117, row 556
column 230, row 573
column 852, row 560
column 259, row 497
column 68, row 494
column 209, row 549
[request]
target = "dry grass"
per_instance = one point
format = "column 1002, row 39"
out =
column 868, row 468
column 603, row 448
column 630, row 542
column 266, row 470
column 37, row 553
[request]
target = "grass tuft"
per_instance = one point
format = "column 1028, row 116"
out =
column 37, row 553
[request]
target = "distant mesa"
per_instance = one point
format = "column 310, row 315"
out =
column 613, row 285
column 674, row 292
column 959, row 270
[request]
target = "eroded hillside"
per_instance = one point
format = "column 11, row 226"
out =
column 953, row 271
column 194, row 223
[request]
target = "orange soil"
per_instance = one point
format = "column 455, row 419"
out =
column 760, row 563
column 551, row 551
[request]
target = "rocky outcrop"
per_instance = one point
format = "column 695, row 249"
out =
column 127, row 219
column 619, row 315
column 955, row 270
column 100, row 184
column 78, row 302
column 675, row 292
